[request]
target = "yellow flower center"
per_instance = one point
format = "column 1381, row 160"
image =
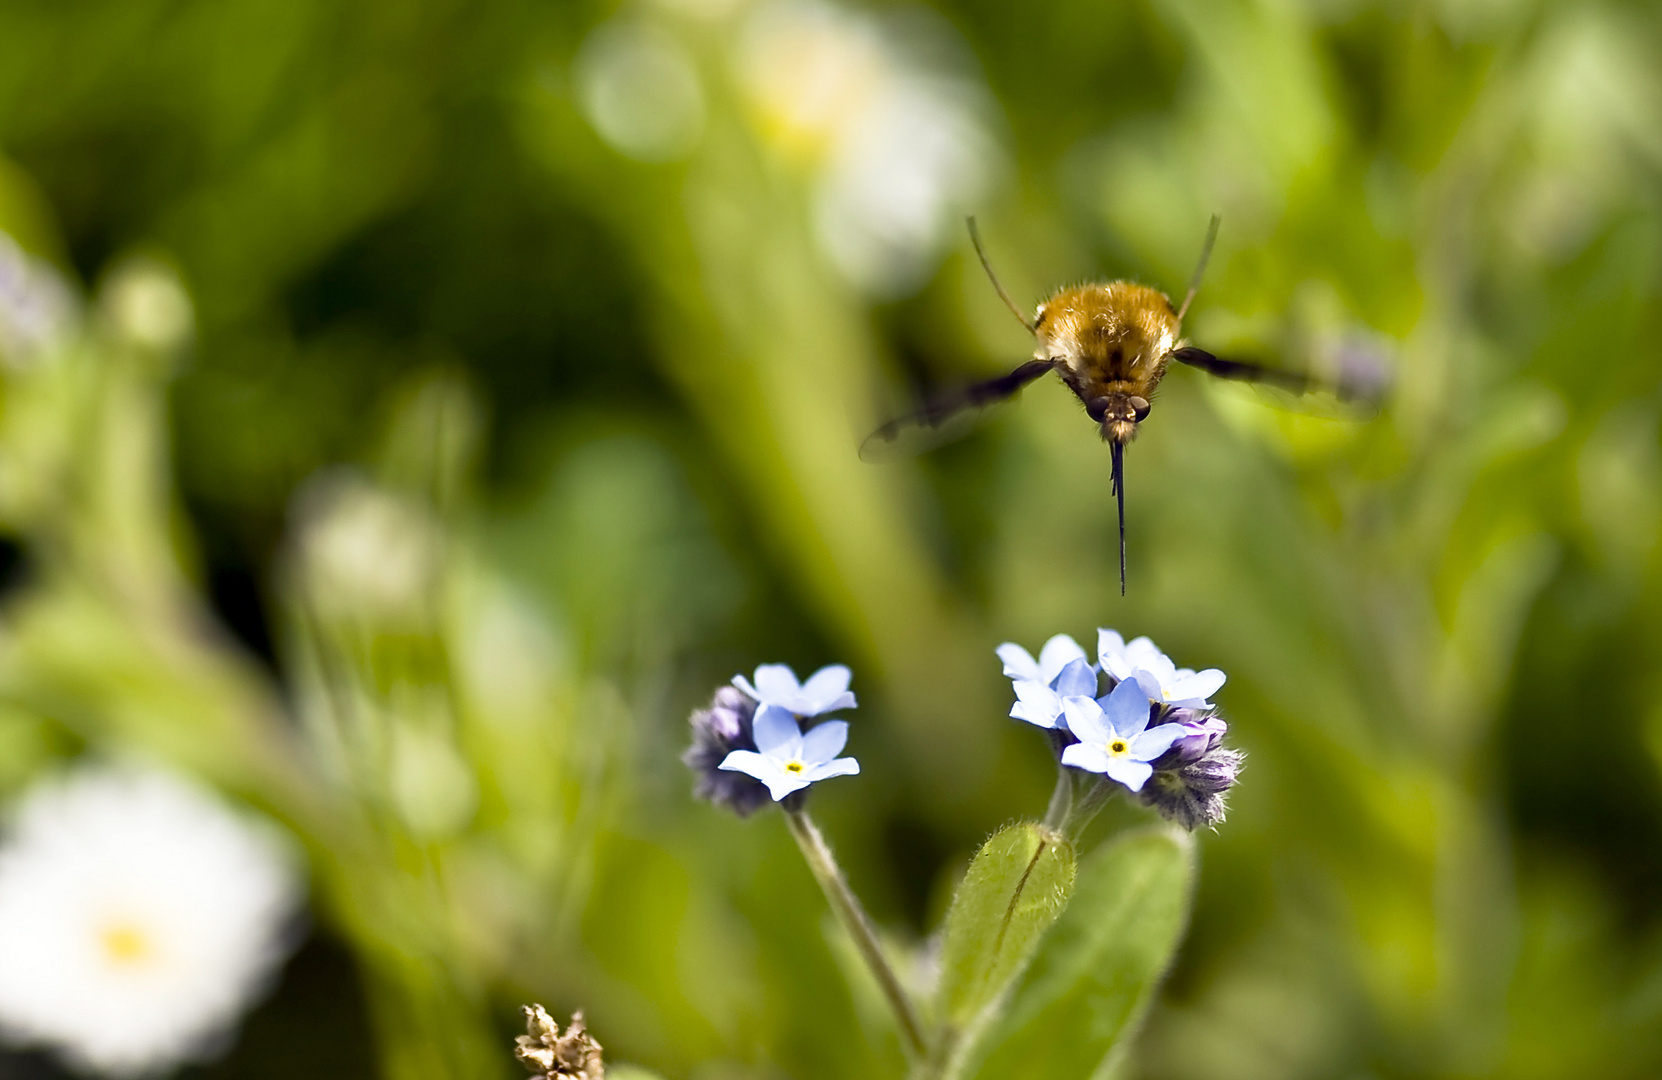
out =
column 795, row 766
column 125, row 945
column 1119, row 747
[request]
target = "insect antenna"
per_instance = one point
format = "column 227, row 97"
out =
column 975, row 238
column 1118, row 450
column 1200, row 268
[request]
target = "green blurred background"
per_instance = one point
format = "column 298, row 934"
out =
column 532, row 346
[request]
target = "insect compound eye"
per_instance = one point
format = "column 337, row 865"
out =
column 1140, row 408
column 1097, row 408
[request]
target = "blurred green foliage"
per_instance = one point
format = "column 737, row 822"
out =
column 522, row 408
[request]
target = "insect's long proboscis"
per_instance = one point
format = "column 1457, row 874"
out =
column 1119, row 494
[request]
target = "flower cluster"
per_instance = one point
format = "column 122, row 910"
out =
column 749, row 747
column 1153, row 731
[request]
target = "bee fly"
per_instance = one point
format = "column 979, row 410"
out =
column 1111, row 344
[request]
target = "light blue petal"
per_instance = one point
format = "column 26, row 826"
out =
column 1127, row 708
column 1087, row 756
column 777, row 735
column 843, row 766
column 1077, row 679
column 1038, row 704
column 784, row 783
column 1110, row 653
column 1018, row 662
column 1153, row 689
column 1156, row 741
column 1133, row 774
column 827, row 688
column 744, row 684
column 817, row 707
column 1058, row 653
column 1143, row 653
column 1085, row 719
column 776, row 684
column 1038, row 717
column 824, row 741
column 1196, row 687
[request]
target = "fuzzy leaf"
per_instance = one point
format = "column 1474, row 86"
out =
column 1015, row 888
column 1091, row 983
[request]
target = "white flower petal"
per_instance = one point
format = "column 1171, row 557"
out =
column 1087, row 756
column 1056, row 654
column 1018, row 662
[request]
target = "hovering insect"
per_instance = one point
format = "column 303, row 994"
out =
column 1111, row 344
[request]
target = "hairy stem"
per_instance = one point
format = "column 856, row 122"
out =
column 853, row 917
column 1061, row 800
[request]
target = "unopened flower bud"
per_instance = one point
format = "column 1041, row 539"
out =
column 717, row 731
column 1191, row 791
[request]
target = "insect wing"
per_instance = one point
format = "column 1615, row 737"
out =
column 947, row 416
column 1360, row 382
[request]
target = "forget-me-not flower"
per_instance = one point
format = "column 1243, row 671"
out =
column 825, row 691
column 1041, row 704
column 1056, row 654
column 785, row 759
column 1114, row 736
column 1161, row 679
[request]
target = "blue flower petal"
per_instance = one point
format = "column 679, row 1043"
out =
column 1127, row 709
column 826, row 691
column 843, row 766
column 1156, row 741
column 824, row 741
column 1133, row 774
column 1085, row 719
column 777, row 734
column 1077, row 679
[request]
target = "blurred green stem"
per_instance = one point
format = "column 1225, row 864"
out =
column 858, row 925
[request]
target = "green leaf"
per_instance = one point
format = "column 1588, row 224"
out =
column 1016, row 886
column 1092, row 981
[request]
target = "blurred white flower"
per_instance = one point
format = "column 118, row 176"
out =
column 37, row 307
column 900, row 150
column 139, row 917
column 365, row 552
column 640, row 90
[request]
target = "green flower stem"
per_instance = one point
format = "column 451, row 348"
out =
column 858, row 925
column 1061, row 800
column 1087, row 808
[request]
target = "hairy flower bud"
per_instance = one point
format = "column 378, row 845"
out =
column 1190, row 790
column 717, row 731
